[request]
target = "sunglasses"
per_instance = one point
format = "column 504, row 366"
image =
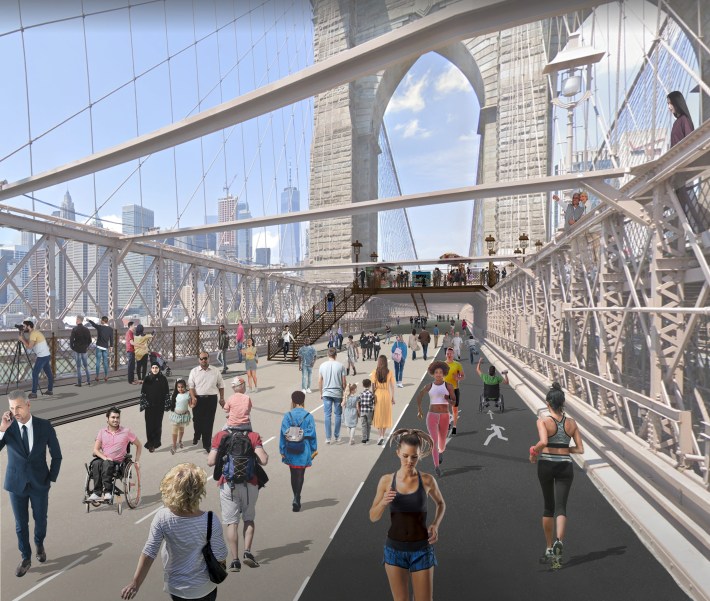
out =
column 204, row 358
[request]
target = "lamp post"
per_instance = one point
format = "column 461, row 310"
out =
column 490, row 243
column 373, row 258
column 356, row 251
column 523, row 241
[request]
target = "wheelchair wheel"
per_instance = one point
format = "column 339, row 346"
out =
column 480, row 404
column 88, row 489
column 501, row 404
column 132, row 485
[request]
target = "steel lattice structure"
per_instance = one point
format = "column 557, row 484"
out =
column 617, row 309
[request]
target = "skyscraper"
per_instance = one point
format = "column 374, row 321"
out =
column 136, row 220
column 290, row 233
column 244, row 237
column 263, row 256
column 227, row 211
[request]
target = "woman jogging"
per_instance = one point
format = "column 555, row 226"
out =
column 555, row 469
column 441, row 398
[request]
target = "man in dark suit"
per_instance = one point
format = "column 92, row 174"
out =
column 27, row 477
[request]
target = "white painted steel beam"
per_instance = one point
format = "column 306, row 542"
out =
column 511, row 188
column 461, row 21
column 347, row 266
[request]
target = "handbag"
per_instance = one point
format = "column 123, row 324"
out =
column 215, row 568
column 143, row 404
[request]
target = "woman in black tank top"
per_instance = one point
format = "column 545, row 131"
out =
column 408, row 550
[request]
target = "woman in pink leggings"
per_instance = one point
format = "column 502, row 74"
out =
column 441, row 397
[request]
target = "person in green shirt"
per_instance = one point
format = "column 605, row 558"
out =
column 491, row 382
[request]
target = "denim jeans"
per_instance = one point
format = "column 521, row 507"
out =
column 239, row 352
column 424, row 349
column 131, row 365
column 398, row 369
column 102, row 359
column 42, row 363
column 222, row 358
column 331, row 404
column 306, row 373
column 80, row 359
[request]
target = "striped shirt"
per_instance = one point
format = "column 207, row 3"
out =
column 185, row 570
column 367, row 401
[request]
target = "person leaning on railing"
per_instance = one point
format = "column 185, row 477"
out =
column 38, row 343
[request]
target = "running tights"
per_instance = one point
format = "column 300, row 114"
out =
column 556, row 480
column 438, row 426
column 297, row 475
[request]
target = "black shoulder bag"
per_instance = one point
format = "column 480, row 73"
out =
column 214, row 567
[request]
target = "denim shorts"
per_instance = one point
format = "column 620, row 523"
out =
column 414, row 561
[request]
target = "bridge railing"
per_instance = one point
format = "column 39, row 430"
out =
column 616, row 309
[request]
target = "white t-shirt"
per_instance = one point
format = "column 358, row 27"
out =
column 41, row 348
column 457, row 342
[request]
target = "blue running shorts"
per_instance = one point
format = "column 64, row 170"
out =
column 413, row 561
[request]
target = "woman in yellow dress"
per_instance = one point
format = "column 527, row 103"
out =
column 383, row 388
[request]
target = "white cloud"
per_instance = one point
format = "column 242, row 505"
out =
column 112, row 222
column 409, row 96
column 451, row 80
column 412, row 129
column 471, row 136
column 267, row 238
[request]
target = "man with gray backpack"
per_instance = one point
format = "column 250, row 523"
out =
column 237, row 455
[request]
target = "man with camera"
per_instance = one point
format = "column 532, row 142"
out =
column 36, row 341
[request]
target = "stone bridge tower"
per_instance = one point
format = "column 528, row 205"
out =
column 347, row 123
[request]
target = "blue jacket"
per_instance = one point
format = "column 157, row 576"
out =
column 294, row 417
column 32, row 469
column 402, row 345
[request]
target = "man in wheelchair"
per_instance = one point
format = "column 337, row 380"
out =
column 110, row 449
column 491, row 384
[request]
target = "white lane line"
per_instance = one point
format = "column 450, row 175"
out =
column 316, row 409
column 342, row 517
column 52, row 577
column 145, row 517
column 300, row 590
column 268, row 441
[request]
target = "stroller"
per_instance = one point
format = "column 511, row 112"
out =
column 162, row 363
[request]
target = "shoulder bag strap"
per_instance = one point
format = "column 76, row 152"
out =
column 209, row 526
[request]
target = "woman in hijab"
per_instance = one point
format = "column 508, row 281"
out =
column 155, row 396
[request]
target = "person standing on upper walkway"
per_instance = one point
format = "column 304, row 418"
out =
column 130, row 353
column 240, row 341
column 104, row 341
column 38, row 343
column 79, row 342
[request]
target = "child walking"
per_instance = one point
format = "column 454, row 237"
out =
column 366, row 408
column 179, row 413
column 350, row 413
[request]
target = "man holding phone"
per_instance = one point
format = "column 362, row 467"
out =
column 28, row 478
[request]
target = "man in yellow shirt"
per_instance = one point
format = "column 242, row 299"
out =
column 454, row 376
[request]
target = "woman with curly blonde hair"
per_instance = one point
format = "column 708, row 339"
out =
column 409, row 550
column 183, row 526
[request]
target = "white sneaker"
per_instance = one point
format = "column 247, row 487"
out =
column 107, row 496
column 327, row 441
column 94, row 497
column 303, row 390
column 308, row 390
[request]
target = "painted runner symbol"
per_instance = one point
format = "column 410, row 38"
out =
column 496, row 433
column 490, row 414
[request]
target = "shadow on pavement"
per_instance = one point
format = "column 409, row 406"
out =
column 268, row 555
column 319, row 503
column 593, row 556
column 53, row 565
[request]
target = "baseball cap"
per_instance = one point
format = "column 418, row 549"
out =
column 238, row 381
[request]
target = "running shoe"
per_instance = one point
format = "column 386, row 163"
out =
column 94, row 497
column 249, row 560
column 337, row 440
column 303, row 390
column 453, row 431
column 557, row 548
column 441, row 458
column 235, row 566
column 548, row 556
column 437, row 471
column 308, row 390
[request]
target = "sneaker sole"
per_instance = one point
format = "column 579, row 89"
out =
column 250, row 563
column 235, row 569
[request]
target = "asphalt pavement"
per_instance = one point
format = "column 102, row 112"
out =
column 491, row 539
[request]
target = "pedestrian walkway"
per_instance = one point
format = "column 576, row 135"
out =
column 491, row 537
column 98, row 551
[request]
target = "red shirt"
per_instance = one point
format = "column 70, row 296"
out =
column 129, row 342
column 255, row 440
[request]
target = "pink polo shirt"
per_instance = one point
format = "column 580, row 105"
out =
column 114, row 444
column 238, row 406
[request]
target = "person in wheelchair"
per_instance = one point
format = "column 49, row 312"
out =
column 110, row 449
column 491, row 383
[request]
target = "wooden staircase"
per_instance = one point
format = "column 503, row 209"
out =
column 315, row 322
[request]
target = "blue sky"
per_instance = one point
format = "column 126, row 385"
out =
column 432, row 121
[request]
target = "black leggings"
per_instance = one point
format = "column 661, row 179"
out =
column 556, row 480
column 297, row 475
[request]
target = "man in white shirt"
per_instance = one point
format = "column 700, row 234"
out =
column 456, row 342
column 205, row 384
column 332, row 384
